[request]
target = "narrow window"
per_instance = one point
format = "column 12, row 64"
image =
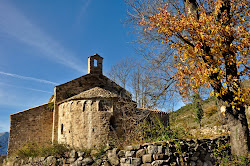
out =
column 112, row 124
column 95, row 62
column 61, row 128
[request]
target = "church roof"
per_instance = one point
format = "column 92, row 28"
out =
column 95, row 92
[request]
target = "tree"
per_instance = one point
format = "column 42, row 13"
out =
column 197, row 108
column 147, row 82
column 211, row 43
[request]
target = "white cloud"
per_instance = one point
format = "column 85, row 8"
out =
column 83, row 10
column 32, row 89
column 15, row 24
column 28, row 78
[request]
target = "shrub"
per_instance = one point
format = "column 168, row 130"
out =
column 50, row 106
column 209, row 111
column 47, row 149
column 224, row 157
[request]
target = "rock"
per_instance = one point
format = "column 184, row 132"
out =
column 147, row 158
column 80, row 159
column 208, row 157
column 94, row 152
column 193, row 163
column 146, row 164
column 157, row 162
column 77, row 163
column 106, row 163
column 196, row 154
column 135, row 161
column 50, row 160
column 112, row 157
column 140, row 153
column 199, row 163
column 73, row 154
column 125, row 160
column 194, row 158
column 152, row 149
column 98, row 162
column 130, row 154
column 160, row 157
column 87, row 161
column 136, row 147
column 121, row 153
column 80, row 154
column 207, row 163
column 128, row 148
column 70, row 160
column 159, row 150
column 160, row 143
column 167, row 151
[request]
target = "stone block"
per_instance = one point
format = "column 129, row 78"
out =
column 87, row 161
column 135, row 161
column 73, row 154
column 194, row 158
column 140, row 153
column 147, row 158
column 121, row 153
column 146, row 164
column 136, row 147
column 157, row 162
column 130, row 154
column 207, row 163
column 125, row 160
column 128, row 148
column 152, row 149
column 159, row 150
column 160, row 157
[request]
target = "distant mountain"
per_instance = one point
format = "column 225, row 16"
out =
column 4, row 137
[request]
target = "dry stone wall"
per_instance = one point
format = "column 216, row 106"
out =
column 30, row 126
column 174, row 153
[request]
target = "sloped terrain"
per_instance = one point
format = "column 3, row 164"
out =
column 4, row 137
column 211, row 124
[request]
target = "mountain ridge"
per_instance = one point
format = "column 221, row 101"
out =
column 4, row 139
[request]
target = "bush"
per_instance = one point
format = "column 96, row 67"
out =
column 47, row 149
column 209, row 111
column 224, row 157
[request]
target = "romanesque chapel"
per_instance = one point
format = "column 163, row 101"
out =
column 86, row 112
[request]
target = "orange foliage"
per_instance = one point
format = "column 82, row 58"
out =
column 206, row 48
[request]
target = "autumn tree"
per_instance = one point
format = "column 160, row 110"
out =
column 211, row 43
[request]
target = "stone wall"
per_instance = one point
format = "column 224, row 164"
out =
column 174, row 153
column 82, row 124
column 32, row 125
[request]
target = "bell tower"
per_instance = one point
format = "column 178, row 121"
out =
column 95, row 64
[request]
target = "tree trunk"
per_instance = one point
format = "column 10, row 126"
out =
column 239, row 131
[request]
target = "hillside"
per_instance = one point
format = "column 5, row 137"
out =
column 185, row 118
column 4, row 137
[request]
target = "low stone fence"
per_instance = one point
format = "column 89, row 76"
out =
column 208, row 131
column 174, row 153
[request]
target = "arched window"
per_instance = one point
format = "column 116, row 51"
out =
column 61, row 128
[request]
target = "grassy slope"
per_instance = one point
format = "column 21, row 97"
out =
column 185, row 116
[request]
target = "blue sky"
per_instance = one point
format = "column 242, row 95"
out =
column 44, row 43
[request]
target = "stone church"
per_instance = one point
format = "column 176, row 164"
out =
column 88, row 112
